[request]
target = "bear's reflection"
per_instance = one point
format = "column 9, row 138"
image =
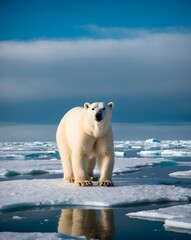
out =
column 97, row 224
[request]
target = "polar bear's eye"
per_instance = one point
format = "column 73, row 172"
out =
column 93, row 109
column 103, row 108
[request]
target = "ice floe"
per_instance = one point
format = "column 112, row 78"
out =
column 119, row 154
column 176, row 218
column 152, row 140
column 181, row 174
column 54, row 192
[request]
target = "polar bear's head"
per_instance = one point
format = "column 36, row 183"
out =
column 99, row 112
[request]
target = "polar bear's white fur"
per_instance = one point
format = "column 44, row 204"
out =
column 83, row 135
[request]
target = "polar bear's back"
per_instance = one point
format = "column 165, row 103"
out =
column 73, row 113
column 69, row 125
column 72, row 116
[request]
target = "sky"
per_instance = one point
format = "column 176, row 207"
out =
column 55, row 55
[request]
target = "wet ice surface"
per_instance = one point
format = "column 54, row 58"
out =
column 145, row 172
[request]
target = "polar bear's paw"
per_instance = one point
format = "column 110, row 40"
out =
column 106, row 183
column 69, row 179
column 84, row 183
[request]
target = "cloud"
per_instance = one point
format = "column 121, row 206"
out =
column 148, row 76
column 113, row 32
column 148, row 65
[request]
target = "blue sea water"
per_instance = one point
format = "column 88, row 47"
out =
column 96, row 223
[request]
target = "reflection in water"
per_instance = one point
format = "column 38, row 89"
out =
column 85, row 222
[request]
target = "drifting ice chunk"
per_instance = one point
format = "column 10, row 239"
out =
column 17, row 218
column 150, row 153
column 152, row 140
column 181, row 174
column 119, row 154
column 136, row 147
column 177, row 218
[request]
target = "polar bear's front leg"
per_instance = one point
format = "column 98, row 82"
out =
column 79, row 169
column 106, row 163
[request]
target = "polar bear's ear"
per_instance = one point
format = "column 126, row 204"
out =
column 86, row 105
column 111, row 104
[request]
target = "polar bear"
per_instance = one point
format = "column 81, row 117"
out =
column 83, row 135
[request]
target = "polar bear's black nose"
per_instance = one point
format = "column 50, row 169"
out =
column 98, row 116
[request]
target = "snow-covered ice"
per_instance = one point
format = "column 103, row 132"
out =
column 177, row 218
column 119, row 154
column 54, row 192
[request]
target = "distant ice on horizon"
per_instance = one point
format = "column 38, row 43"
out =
column 166, row 153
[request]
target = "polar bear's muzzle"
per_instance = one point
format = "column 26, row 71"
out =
column 99, row 116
